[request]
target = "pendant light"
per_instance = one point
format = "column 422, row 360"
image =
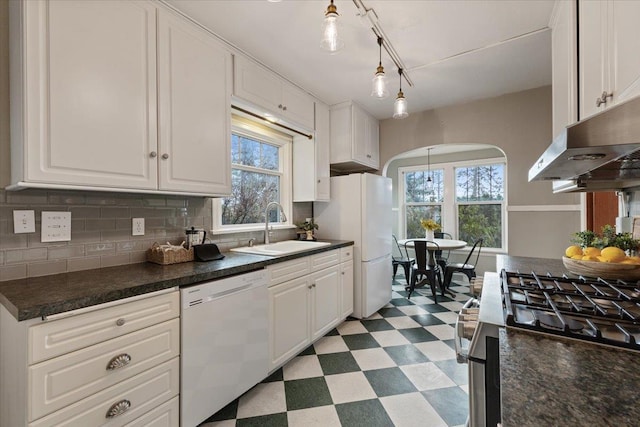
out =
column 429, row 185
column 400, row 106
column 331, row 40
column 379, row 89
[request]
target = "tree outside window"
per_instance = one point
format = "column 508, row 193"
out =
column 423, row 199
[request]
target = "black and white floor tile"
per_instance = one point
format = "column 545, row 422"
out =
column 395, row 368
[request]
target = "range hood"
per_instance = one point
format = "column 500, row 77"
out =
column 597, row 154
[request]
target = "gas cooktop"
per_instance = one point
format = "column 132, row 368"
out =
column 604, row 312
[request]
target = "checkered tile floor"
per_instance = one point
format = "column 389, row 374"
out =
column 397, row 368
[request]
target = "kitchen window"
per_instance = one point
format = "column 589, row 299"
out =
column 466, row 198
column 260, row 173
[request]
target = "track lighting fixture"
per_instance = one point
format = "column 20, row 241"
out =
column 331, row 40
column 379, row 89
column 400, row 106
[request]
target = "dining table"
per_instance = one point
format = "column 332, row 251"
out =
column 442, row 245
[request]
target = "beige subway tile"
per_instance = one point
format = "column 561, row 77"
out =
column 34, row 241
column 66, row 198
column 85, row 236
column 101, row 199
column 100, row 248
column 111, row 260
column 100, row 224
column 4, row 227
column 27, row 197
column 6, row 212
column 154, row 223
column 77, row 224
column 24, row 256
column 13, row 272
column 154, row 201
column 1, row 257
column 124, row 224
column 119, row 212
column 46, row 268
column 177, row 203
column 14, row 241
column 115, row 235
column 78, row 264
column 138, row 256
column 85, row 212
column 3, row 196
column 64, row 252
column 126, row 246
column 130, row 200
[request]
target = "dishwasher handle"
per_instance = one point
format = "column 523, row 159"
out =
column 211, row 291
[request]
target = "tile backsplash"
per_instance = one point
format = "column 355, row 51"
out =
column 101, row 229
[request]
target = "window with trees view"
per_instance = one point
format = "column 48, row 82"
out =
column 259, row 175
column 466, row 199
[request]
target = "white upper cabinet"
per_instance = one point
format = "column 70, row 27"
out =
column 85, row 99
column 609, row 42
column 564, row 66
column 354, row 138
column 311, row 175
column 265, row 89
column 194, row 80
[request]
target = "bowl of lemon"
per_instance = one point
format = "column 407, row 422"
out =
column 607, row 263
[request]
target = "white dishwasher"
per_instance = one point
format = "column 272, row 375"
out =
column 225, row 347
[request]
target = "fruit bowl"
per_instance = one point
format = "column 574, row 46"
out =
column 604, row 270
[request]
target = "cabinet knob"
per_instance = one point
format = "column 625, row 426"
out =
column 153, row 154
column 368, row 156
column 120, row 322
column 318, row 181
column 284, row 108
column 280, row 106
column 118, row 408
column 165, row 156
column 310, row 286
column 314, row 285
column 343, row 273
column 120, row 361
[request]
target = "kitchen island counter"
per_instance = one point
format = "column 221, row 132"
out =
column 46, row 295
column 554, row 381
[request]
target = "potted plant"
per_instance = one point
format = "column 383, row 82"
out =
column 308, row 226
column 430, row 226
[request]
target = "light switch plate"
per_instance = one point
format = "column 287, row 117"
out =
column 24, row 222
column 56, row 227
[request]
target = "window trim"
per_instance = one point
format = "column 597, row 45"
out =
column 450, row 204
column 250, row 129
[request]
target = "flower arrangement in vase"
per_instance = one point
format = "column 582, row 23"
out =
column 430, row 226
column 308, row 226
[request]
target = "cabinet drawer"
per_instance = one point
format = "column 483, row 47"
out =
column 140, row 393
column 346, row 254
column 324, row 260
column 61, row 381
column 51, row 339
column 165, row 415
column 288, row 270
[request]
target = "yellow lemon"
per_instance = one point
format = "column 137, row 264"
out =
column 576, row 257
column 591, row 251
column 613, row 254
column 590, row 258
column 573, row 250
column 628, row 261
column 634, row 259
column 602, row 259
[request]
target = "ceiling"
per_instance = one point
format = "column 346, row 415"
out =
column 453, row 51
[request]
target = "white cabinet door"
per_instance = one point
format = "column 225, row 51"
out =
column 564, row 66
column 360, row 147
column 346, row 289
column 624, row 39
column 297, row 106
column 194, row 78
column 593, row 60
column 372, row 138
column 354, row 138
column 87, row 89
column 289, row 305
column 323, row 153
column 325, row 301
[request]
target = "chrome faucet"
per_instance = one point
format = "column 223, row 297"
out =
column 266, row 219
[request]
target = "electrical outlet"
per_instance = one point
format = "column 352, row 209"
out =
column 137, row 227
column 24, row 222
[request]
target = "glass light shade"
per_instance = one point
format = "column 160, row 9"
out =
column 330, row 33
column 400, row 110
column 379, row 89
column 429, row 186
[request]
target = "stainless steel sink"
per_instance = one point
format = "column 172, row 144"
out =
column 285, row 247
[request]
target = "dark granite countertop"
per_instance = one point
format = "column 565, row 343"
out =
column 553, row 381
column 42, row 296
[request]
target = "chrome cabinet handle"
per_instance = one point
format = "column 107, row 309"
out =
column 118, row 408
column 120, row 361
column 603, row 98
column 165, row 156
column 153, row 154
column 121, row 321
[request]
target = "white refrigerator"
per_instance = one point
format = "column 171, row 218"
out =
column 360, row 210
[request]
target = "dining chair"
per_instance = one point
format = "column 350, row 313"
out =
column 403, row 259
column 422, row 268
column 466, row 268
column 442, row 256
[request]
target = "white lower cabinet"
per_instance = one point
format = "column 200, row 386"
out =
column 302, row 309
column 112, row 364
